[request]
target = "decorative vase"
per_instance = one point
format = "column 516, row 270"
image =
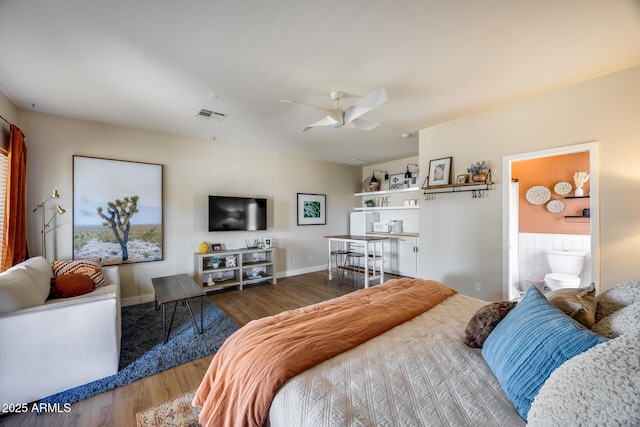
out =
column 479, row 177
column 203, row 247
column 579, row 192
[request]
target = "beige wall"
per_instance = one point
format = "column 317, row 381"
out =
column 194, row 168
column 393, row 167
column 461, row 238
column 10, row 113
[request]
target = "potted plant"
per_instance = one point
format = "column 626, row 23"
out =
column 478, row 171
column 370, row 203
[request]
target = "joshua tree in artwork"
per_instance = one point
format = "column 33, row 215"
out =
column 118, row 217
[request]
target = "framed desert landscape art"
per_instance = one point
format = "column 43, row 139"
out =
column 117, row 210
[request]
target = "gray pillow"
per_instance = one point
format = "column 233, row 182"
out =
column 483, row 322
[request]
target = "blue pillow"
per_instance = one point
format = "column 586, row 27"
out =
column 530, row 343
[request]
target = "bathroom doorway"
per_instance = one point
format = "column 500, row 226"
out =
column 515, row 253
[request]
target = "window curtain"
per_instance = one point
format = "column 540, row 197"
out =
column 14, row 249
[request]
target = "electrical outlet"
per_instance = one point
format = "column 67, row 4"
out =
column 478, row 286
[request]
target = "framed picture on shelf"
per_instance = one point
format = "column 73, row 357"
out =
column 413, row 181
column 312, row 209
column 463, row 178
column 215, row 247
column 440, row 171
column 398, row 181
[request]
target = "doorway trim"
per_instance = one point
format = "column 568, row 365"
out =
column 592, row 148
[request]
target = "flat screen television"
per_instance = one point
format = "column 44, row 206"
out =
column 237, row 213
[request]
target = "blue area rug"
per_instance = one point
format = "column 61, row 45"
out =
column 142, row 351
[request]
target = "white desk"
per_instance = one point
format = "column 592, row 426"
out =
column 373, row 250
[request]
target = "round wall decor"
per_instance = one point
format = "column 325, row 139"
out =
column 563, row 188
column 555, row 206
column 538, row 195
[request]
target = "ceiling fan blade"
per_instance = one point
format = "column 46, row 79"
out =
column 362, row 124
column 365, row 104
column 327, row 121
column 336, row 114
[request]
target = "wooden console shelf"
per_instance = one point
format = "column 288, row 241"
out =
column 237, row 267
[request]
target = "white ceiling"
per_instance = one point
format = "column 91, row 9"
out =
column 153, row 64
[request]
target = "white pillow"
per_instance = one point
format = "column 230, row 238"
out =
column 597, row 387
column 620, row 322
column 17, row 291
column 616, row 298
column 41, row 273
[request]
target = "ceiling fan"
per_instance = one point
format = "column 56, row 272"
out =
column 338, row 118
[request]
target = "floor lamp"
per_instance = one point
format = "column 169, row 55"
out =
column 45, row 224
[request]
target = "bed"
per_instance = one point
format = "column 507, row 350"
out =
column 346, row 364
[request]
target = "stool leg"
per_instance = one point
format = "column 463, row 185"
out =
column 327, row 274
column 345, row 265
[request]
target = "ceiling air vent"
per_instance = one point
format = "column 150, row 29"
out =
column 354, row 162
column 211, row 115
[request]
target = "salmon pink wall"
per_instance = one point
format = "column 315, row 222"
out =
column 548, row 172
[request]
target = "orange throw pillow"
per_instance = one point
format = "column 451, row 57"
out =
column 89, row 267
column 70, row 285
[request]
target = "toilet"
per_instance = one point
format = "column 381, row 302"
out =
column 566, row 267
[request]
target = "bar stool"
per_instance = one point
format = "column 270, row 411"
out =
column 352, row 263
column 334, row 260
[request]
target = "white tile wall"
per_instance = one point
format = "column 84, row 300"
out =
column 410, row 218
column 532, row 261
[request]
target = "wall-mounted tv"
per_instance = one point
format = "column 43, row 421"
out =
column 237, row 213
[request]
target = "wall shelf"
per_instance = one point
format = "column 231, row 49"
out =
column 384, row 192
column 576, row 197
column 387, row 208
column 577, row 218
column 477, row 189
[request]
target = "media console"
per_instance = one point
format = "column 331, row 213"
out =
column 237, row 267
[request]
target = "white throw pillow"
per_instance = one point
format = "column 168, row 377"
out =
column 620, row 322
column 597, row 387
column 41, row 273
column 616, row 298
column 17, row 290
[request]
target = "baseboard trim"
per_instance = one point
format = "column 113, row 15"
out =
column 140, row 299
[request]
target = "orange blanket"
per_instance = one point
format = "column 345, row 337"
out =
column 254, row 362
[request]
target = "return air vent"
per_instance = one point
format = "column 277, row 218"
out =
column 211, row 115
column 354, row 162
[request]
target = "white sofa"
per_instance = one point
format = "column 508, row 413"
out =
column 53, row 345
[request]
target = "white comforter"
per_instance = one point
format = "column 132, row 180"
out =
column 419, row 373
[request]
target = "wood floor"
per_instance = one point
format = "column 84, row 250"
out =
column 119, row 407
